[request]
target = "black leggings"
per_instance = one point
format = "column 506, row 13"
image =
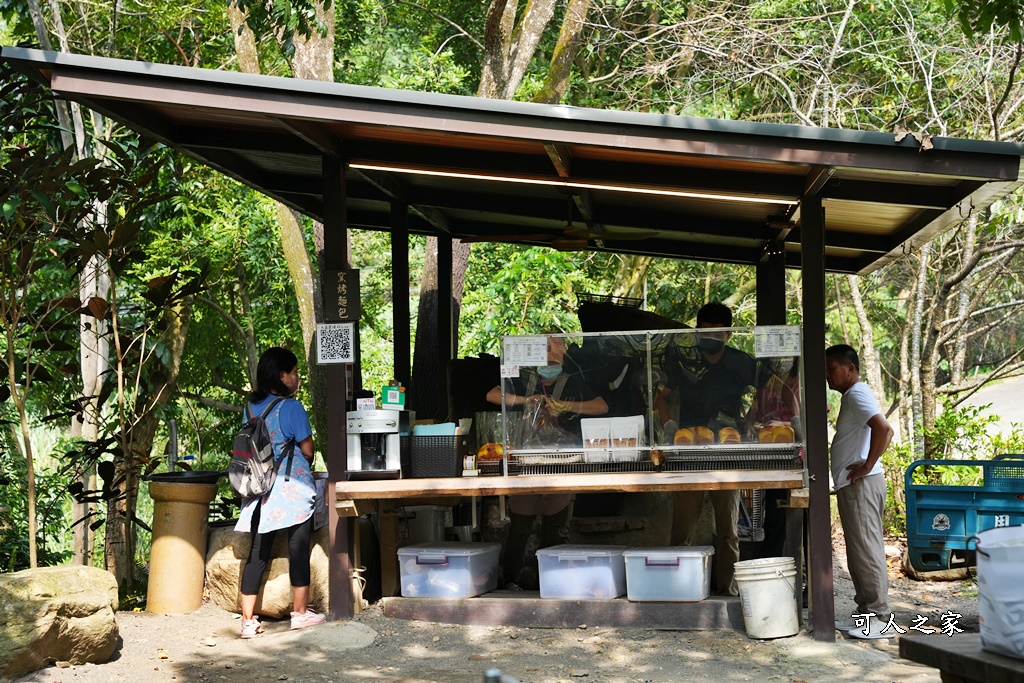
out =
column 259, row 554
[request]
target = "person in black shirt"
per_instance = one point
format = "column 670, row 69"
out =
column 712, row 385
column 566, row 398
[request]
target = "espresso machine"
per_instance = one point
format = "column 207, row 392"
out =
column 374, row 443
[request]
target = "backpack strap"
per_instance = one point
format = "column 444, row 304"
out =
column 290, row 445
column 270, row 407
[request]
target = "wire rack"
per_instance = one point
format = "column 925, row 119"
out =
column 675, row 459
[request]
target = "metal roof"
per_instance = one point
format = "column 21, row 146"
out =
column 637, row 183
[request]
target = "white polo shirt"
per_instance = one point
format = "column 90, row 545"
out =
column 852, row 440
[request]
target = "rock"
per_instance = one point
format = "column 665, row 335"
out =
column 892, row 551
column 225, row 557
column 63, row 614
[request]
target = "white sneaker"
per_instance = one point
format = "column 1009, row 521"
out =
column 251, row 627
column 307, row 618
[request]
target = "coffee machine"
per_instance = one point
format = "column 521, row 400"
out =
column 374, row 443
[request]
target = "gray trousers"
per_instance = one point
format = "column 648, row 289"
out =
column 861, row 507
column 686, row 509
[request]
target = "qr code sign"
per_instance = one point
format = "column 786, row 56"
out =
column 335, row 343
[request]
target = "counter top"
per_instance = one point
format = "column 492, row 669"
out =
column 632, row 482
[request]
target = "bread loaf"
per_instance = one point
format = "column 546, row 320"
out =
column 728, row 435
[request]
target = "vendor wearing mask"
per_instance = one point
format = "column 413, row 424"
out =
column 564, row 393
column 567, row 398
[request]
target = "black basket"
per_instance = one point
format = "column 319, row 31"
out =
column 435, row 456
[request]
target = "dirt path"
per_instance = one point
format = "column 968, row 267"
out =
column 204, row 646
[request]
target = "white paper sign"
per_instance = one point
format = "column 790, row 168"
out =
column 775, row 341
column 510, row 371
column 528, row 351
column 335, row 343
column 366, row 404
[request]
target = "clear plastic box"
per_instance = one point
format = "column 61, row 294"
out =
column 582, row 572
column 673, row 574
column 448, row 570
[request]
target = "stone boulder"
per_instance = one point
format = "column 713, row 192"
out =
column 225, row 557
column 56, row 614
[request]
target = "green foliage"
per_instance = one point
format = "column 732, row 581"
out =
column 895, row 461
column 51, row 512
column 981, row 16
column 962, row 432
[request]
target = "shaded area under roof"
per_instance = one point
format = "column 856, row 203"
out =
column 481, row 170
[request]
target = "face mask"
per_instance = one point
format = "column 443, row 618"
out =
column 549, row 371
column 710, row 345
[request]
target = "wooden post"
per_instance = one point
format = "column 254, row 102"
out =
column 336, row 257
column 812, row 235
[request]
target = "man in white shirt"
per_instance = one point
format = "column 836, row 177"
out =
column 862, row 435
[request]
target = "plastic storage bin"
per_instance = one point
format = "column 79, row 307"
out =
column 448, row 570
column 582, row 572
column 674, row 574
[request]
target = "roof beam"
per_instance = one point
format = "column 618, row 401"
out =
column 313, row 135
column 561, row 159
column 393, row 188
column 893, row 194
column 256, row 141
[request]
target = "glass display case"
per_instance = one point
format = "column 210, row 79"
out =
column 667, row 400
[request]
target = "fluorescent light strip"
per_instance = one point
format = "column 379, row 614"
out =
column 569, row 183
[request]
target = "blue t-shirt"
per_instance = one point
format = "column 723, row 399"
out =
column 289, row 502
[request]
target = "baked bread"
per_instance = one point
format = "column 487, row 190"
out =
column 776, row 434
column 491, row 451
column 683, row 437
column 728, row 435
column 703, row 435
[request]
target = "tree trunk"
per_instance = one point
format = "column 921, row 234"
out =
column 313, row 60
column 958, row 357
column 916, row 333
column 564, row 55
column 871, row 369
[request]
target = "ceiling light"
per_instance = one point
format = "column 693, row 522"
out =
column 575, row 184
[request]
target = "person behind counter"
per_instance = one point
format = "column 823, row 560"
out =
column 567, row 397
column 711, row 395
column 289, row 503
column 777, row 402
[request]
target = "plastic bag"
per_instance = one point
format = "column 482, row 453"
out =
column 539, row 428
column 1000, row 592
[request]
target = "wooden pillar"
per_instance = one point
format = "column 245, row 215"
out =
column 812, row 241
column 400, row 291
column 336, row 257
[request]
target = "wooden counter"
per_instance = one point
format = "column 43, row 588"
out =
column 630, row 482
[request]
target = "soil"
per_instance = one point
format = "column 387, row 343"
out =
column 204, row 646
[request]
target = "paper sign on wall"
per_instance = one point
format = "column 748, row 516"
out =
column 529, row 351
column 509, row 371
column 775, row 341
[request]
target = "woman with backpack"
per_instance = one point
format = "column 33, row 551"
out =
column 289, row 503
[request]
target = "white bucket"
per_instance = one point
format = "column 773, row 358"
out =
column 1000, row 592
column 769, row 597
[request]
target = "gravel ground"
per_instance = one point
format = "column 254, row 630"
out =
column 204, row 646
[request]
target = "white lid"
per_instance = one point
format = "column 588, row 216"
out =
column 452, row 548
column 671, row 551
column 583, row 549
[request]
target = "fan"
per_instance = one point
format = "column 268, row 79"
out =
column 569, row 238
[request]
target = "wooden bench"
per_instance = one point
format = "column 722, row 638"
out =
column 960, row 659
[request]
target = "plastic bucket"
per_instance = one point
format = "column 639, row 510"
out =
column 768, row 595
column 1000, row 592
